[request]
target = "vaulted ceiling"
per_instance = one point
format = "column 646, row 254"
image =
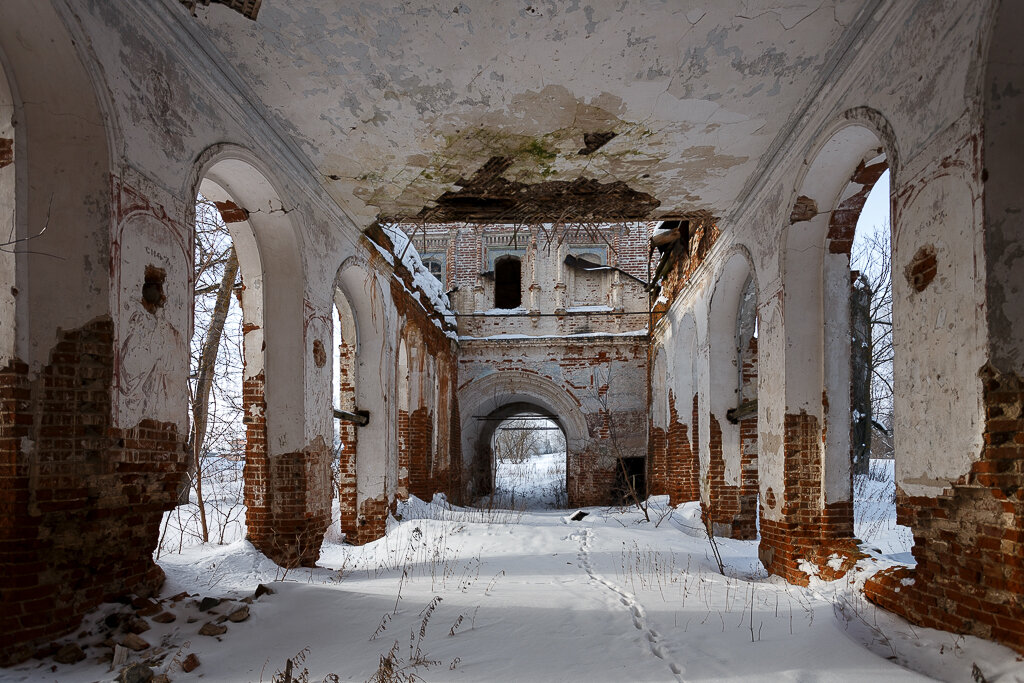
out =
column 582, row 109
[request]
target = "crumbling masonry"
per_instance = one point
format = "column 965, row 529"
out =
column 712, row 353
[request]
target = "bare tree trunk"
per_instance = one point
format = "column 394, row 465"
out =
column 204, row 382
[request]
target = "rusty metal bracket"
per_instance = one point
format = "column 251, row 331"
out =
column 358, row 417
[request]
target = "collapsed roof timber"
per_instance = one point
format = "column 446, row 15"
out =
column 754, row 132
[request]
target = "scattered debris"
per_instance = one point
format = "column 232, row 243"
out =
column 137, row 625
column 240, row 614
column 578, row 515
column 69, row 654
column 136, row 673
column 190, row 663
column 208, row 604
column 134, row 642
column 212, row 629
column 262, row 590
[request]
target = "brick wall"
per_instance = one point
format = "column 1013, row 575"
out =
column 723, row 502
column 678, row 475
column 589, row 480
column 807, row 530
column 286, row 511
column 745, row 523
column 704, row 234
column 404, row 457
column 83, row 506
column 969, row 541
column 421, row 454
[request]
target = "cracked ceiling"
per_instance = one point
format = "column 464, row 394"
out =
column 670, row 107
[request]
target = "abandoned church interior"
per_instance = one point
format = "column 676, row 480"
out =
column 633, row 221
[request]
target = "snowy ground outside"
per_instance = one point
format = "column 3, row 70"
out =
column 470, row 594
column 535, row 483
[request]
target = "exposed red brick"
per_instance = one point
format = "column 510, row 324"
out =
column 231, row 212
column 806, row 530
column 843, row 222
column 968, row 541
column 6, row 152
column 286, row 495
column 84, row 503
column 922, row 268
column 804, row 209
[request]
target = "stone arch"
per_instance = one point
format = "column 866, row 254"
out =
column 492, row 393
column 287, row 464
column 813, row 522
column 729, row 454
column 370, row 470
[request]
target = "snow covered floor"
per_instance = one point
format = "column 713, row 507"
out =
column 531, row 596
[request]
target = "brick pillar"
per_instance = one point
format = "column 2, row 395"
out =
column 683, row 461
column 723, row 503
column 286, row 510
column 80, row 500
column 658, row 466
column 969, row 541
column 347, row 435
column 807, row 530
column 745, row 524
column 456, row 480
column 256, row 474
column 421, row 440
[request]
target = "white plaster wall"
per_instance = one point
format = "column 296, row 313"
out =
column 939, row 334
column 151, row 349
column 64, row 160
column 836, row 463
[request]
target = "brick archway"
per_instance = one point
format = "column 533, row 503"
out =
column 499, row 392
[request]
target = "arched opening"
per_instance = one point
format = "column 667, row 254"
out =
column 528, row 459
column 343, row 398
column 286, row 478
column 873, row 451
column 508, row 291
column 211, row 505
column 404, row 436
column 589, row 283
column 730, row 485
column 488, row 401
column 819, row 422
column 367, row 479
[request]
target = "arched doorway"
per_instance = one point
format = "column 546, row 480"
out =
column 729, row 462
column 528, row 458
column 488, row 401
column 818, row 424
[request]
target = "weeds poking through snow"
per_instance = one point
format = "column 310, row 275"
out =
column 394, row 669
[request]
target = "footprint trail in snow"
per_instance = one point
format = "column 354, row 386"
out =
column 629, row 601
